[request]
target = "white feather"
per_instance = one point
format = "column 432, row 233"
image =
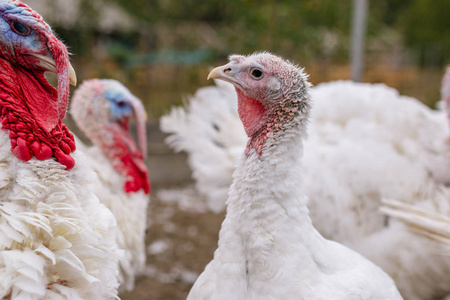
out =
column 57, row 239
column 429, row 224
column 129, row 210
column 268, row 247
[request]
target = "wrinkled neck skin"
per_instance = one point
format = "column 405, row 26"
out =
column 262, row 121
column 267, row 226
column 121, row 150
column 27, row 105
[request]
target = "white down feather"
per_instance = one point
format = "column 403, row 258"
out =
column 57, row 241
column 269, row 249
column 129, row 210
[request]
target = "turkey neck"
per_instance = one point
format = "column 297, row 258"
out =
column 120, row 149
column 267, row 209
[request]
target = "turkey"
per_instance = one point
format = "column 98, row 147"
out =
column 431, row 225
column 123, row 178
column 57, row 241
column 268, row 247
column 365, row 142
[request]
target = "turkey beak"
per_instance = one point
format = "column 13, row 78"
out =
column 225, row 73
column 140, row 116
column 72, row 76
column 215, row 73
column 48, row 64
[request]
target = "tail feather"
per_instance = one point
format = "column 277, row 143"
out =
column 432, row 225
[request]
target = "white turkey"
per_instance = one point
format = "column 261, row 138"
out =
column 102, row 108
column 365, row 142
column 421, row 220
column 57, row 241
column 268, row 247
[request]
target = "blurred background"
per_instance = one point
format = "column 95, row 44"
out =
column 162, row 51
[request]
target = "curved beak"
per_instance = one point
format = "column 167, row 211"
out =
column 226, row 73
column 141, row 120
column 49, row 64
column 215, row 73
column 72, row 76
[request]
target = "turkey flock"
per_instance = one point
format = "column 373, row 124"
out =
column 338, row 191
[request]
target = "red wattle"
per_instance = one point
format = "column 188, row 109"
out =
column 43, row 152
column 27, row 137
column 127, row 160
column 138, row 177
column 64, row 159
column 21, row 150
column 250, row 111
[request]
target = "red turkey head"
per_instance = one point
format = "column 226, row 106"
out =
column 29, row 44
column 101, row 108
column 32, row 109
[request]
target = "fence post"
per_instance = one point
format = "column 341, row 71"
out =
column 358, row 35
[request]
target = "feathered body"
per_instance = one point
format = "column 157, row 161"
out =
column 365, row 142
column 268, row 247
column 57, row 241
column 123, row 183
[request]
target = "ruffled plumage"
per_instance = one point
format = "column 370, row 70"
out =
column 129, row 210
column 57, row 239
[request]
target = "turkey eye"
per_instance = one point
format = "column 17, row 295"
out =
column 256, row 73
column 121, row 103
column 20, row 29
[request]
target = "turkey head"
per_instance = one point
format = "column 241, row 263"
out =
column 31, row 109
column 270, row 90
column 102, row 108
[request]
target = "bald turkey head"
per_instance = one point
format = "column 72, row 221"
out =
column 31, row 109
column 271, row 93
column 102, row 108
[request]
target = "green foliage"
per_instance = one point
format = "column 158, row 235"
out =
column 289, row 27
column 175, row 42
column 304, row 30
column 426, row 27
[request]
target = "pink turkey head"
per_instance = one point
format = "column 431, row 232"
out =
column 102, row 108
column 271, row 93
